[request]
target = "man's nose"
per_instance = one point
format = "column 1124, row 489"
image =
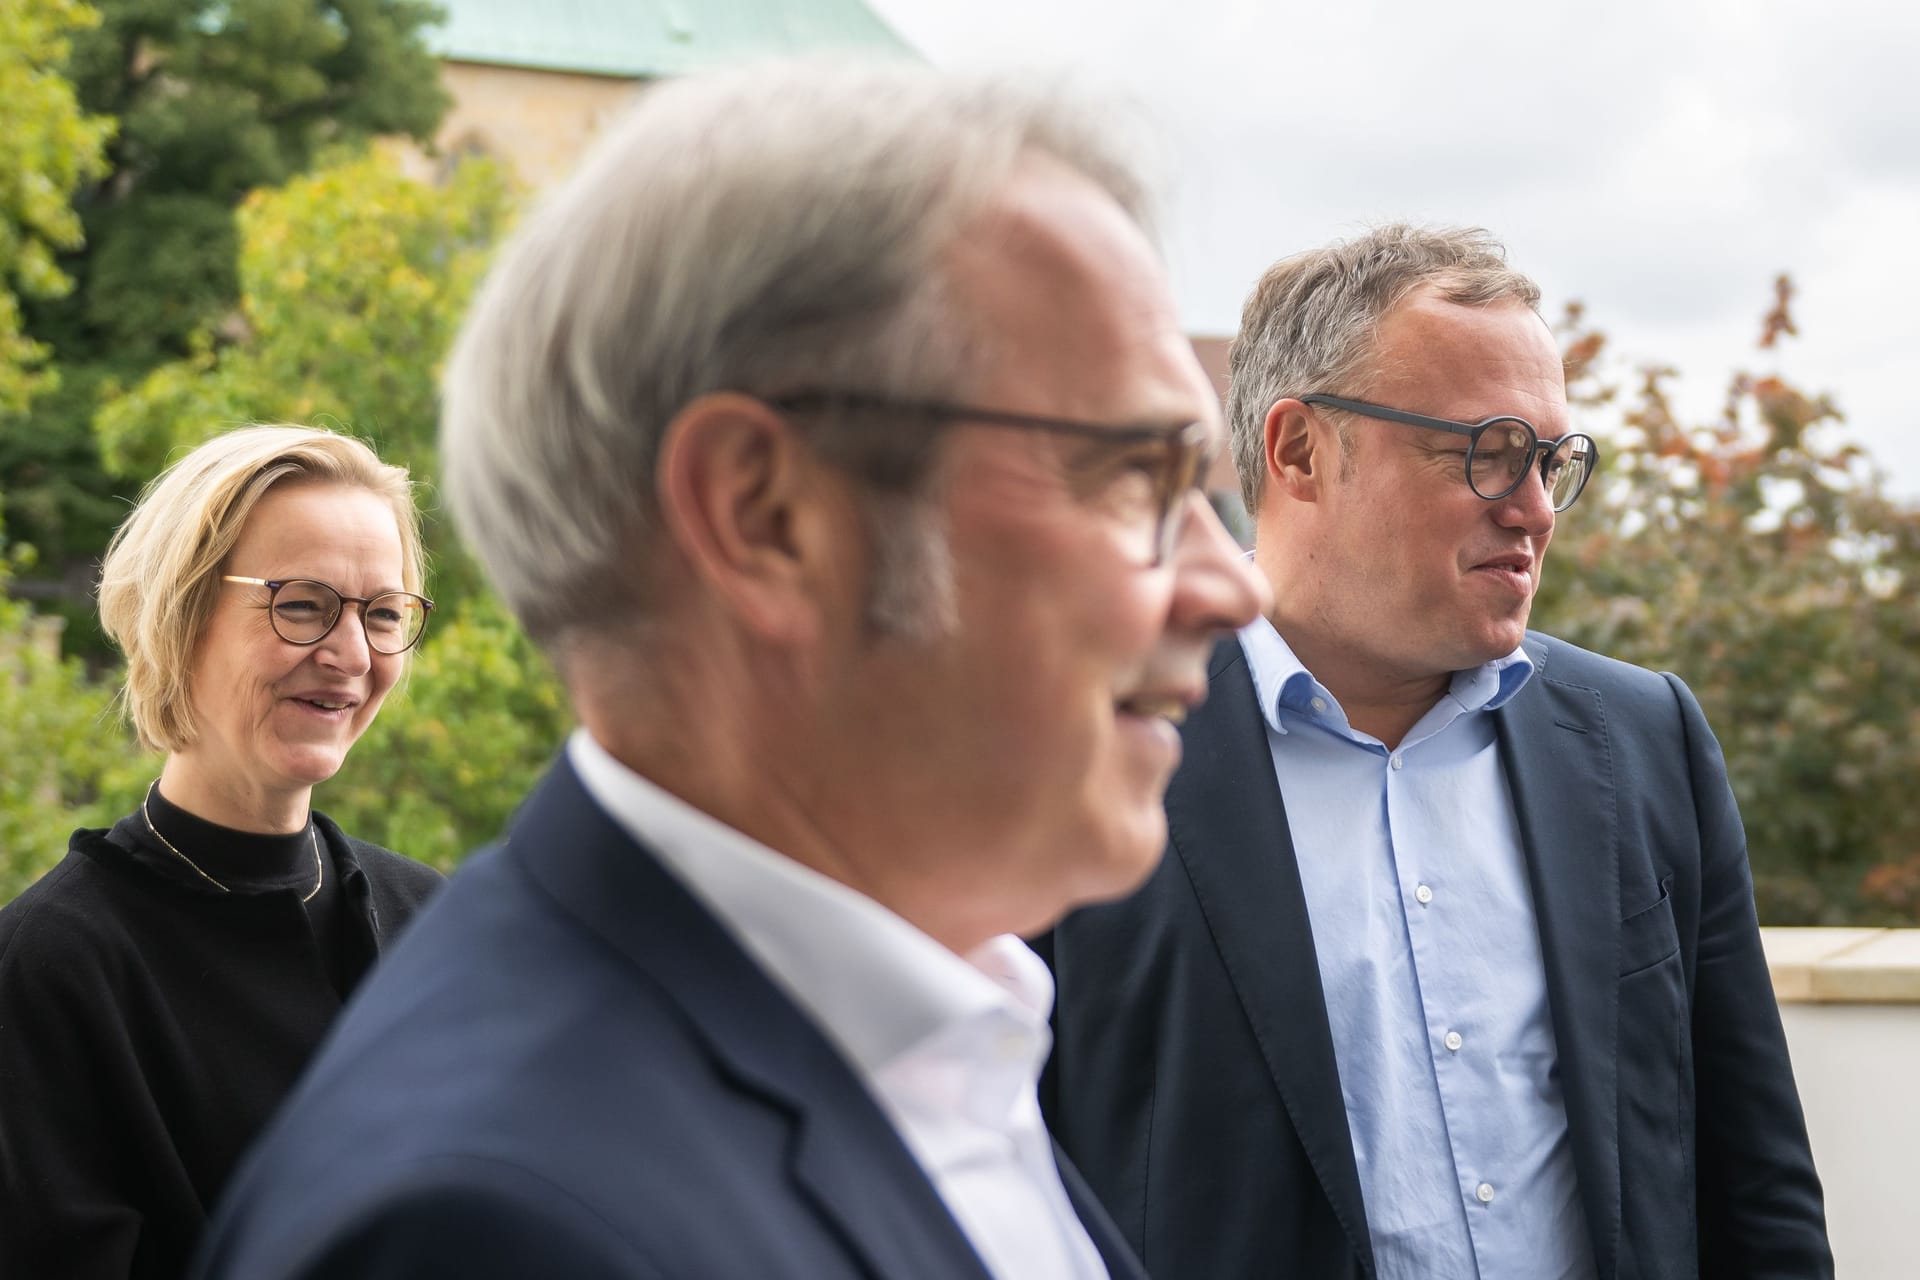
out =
column 1529, row 508
column 1216, row 587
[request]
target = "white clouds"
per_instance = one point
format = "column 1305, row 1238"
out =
column 1661, row 161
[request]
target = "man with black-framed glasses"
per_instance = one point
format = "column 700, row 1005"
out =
column 1451, row 968
column 834, row 431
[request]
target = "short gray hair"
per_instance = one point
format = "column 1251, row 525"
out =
column 759, row 230
column 1309, row 325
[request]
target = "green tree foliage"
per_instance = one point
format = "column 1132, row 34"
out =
column 451, row 755
column 213, row 98
column 70, row 762
column 353, row 280
column 49, row 147
column 1757, row 557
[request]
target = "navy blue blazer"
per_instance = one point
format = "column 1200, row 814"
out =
column 1194, row 1078
column 568, row 1068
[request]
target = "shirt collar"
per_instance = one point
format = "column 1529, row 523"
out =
column 874, row 983
column 1280, row 681
column 1492, row 685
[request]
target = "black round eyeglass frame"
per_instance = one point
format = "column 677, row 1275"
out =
column 1544, row 450
column 275, row 585
column 1188, row 447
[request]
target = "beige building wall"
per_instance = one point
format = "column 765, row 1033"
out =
column 538, row 122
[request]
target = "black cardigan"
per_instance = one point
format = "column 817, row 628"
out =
column 149, row 1025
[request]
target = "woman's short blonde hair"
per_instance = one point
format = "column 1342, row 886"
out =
column 161, row 574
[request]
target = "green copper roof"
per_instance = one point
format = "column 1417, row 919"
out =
column 639, row 38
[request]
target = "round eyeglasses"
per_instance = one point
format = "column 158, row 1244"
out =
column 303, row 611
column 1500, row 450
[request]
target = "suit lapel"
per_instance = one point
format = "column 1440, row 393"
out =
column 845, row 1157
column 1229, row 829
column 1558, row 761
column 1121, row 1264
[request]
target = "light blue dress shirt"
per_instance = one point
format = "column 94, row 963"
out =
column 1430, row 959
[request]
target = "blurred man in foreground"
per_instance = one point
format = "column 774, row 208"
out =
column 834, row 432
column 1452, row 967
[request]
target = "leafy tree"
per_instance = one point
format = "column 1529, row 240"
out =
column 1757, row 557
column 70, row 762
column 49, row 147
column 213, row 99
column 450, row 756
column 352, row 282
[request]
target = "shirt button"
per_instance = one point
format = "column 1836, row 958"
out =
column 1318, row 704
column 1485, row 1192
column 1396, row 762
column 1422, row 894
column 1453, row 1042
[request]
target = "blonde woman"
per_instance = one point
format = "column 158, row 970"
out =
column 161, row 988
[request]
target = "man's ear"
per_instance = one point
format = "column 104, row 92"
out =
column 1299, row 449
column 751, row 509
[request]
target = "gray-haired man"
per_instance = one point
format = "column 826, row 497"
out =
column 833, row 430
column 1451, row 968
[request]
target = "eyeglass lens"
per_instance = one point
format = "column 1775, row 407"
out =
column 1186, row 454
column 305, row 611
column 1505, row 450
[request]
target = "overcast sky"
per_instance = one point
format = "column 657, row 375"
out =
column 1661, row 162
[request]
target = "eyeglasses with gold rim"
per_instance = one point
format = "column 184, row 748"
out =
column 304, row 611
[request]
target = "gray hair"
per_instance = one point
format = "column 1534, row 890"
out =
column 760, row 230
column 1309, row 326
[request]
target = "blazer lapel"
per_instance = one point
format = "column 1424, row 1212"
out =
column 1559, row 767
column 1228, row 827
column 845, row 1157
column 1121, row 1264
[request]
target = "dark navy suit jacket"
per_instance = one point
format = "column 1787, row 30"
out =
column 1194, row 1078
column 568, row 1068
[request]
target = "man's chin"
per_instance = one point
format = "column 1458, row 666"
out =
column 1496, row 641
column 1131, row 856
column 1104, row 858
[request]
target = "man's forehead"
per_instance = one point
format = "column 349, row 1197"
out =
column 1427, row 335
column 1049, row 227
column 1054, row 268
column 1426, row 310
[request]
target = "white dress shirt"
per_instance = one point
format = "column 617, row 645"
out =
column 950, row 1047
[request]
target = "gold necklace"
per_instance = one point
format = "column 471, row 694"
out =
column 319, row 867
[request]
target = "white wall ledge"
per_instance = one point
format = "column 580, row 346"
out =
column 1844, row 966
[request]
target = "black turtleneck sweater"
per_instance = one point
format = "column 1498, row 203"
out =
column 150, row 1023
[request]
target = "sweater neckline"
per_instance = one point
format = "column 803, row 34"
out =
column 243, row 861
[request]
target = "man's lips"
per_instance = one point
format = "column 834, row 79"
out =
column 1170, row 705
column 1513, row 562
